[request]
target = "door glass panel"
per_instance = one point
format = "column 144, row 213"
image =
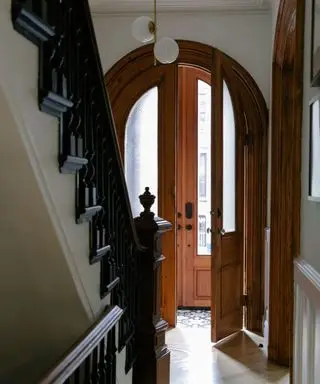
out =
column 229, row 164
column 204, row 168
column 141, row 150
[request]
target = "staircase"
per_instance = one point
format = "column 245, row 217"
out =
column 71, row 90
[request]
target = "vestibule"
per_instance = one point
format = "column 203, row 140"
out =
column 131, row 78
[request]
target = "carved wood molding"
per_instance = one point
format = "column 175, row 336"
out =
column 285, row 175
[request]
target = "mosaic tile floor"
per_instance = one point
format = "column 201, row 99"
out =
column 187, row 318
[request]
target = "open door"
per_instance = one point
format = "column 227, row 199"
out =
column 194, row 188
column 227, row 213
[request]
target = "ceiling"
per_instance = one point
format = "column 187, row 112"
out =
column 139, row 6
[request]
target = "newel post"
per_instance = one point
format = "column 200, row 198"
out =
column 153, row 362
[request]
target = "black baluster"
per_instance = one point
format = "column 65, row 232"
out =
column 87, row 370
column 102, row 362
column 95, row 367
column 111, row 358
column 77, row 376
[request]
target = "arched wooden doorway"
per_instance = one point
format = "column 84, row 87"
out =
column 135, row 74
column 285, row 175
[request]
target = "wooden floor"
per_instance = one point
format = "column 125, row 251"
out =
column 194, row 360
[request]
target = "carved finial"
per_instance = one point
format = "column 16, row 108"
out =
column 147, row 200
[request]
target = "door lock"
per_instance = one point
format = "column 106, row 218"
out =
column 189, row 210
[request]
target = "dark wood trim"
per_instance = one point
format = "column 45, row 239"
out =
column 124, row 89
column 285, row 175
column 153, row 359
column 83, row 348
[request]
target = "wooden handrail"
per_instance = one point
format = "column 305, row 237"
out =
column 82, row 349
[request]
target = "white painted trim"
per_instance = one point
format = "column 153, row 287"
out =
column 298, row 317
column 306, row 322
column 308, row 280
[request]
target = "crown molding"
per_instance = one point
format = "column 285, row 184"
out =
column 121, row 7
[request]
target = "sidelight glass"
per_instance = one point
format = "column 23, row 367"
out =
column 229, row 163
column 141, row 150
column 204, row 168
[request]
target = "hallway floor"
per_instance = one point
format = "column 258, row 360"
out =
column 194, row 360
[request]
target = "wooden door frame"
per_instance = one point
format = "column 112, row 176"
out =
column 254, row 111
column 287, row 86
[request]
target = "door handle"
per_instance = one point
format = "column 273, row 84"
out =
column 222, row 232
column 209, row 230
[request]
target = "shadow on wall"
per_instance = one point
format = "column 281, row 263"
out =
column 41, row 312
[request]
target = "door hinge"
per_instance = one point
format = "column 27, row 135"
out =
column 244, row 300
column 248, row 139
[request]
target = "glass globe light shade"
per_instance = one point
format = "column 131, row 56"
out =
column 166, row 50
column 143, row 29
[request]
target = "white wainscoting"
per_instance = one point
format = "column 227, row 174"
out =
column 306, row 365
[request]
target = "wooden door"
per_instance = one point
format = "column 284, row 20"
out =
column 134, row 75
column 194, row 188
column 228, row 214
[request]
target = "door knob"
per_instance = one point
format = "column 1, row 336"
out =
column 209, row 230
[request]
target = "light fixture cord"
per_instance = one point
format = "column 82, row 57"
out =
column 155, row 26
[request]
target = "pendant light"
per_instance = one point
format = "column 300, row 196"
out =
column 144, row 29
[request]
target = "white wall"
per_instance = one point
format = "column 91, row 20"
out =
column 247, row 38
column 307, row 270
column 49, row 293
column 41, row 313
column 39, row 133
column 310, row 211
column 275, row 9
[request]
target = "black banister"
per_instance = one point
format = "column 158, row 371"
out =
column 71, row 88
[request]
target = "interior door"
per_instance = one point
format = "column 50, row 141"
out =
column 194, row 188
column 227, row 214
